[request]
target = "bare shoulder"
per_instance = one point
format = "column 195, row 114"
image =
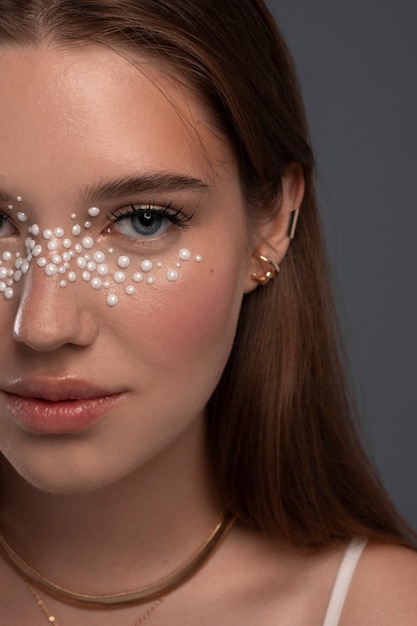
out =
column 384, row 588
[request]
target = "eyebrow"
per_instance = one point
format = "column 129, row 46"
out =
column 153, row 182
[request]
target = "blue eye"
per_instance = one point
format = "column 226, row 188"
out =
column 147, row 221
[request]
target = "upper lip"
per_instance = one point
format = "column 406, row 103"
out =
column 57, row 389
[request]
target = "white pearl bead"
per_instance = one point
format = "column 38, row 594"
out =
column 112, row 300
column 96, row 283
column 99, row 257
column 42, row 262
column 93, row 211
column 59, row 232
column 130, row 290
column 35, row 230
column 7, row 256
column 29, row 243
column 150, row 280
column 22, row 217
column 37, row 250
column 185, row 255
column 123, row 261
column 86, row 276
column 87, row 225
column 76, row 230
column 8, row 293
column 198, row 258
column 81, row 263
column 103, row 270
column 88, row 243
column 172, row 276
column 47, row 234
column 50, row 269
column 52, row 245
column 137, row 277
column 119, row 277
column 146, row 266
column 72, row 277
column 67, row 243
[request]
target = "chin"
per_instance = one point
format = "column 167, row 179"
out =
column 64, row 483
column 65, row 486
column 62, row 474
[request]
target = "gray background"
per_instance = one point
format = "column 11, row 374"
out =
column 357, row 62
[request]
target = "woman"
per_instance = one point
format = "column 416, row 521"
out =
column 175, row 430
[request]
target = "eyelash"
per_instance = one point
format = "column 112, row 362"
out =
column 176, row 217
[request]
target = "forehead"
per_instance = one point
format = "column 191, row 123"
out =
column 67, row 114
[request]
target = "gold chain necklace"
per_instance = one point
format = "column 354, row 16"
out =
column 153, row 591
column 52, row 619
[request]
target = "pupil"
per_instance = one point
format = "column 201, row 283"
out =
column 147, row 223
column 147, row 218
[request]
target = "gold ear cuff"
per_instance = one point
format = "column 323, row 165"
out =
column 271, row 271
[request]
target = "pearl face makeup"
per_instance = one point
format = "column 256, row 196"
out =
column 126, row 279
column 81, row 257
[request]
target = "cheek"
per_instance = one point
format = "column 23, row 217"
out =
column 192, row 323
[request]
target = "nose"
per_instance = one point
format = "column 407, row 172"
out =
column 50, row 316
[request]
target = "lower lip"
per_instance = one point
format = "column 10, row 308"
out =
column 58, row 418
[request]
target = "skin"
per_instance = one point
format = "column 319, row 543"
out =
column 117, row 483
column 195, row 316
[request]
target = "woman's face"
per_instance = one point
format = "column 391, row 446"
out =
column 124, row 256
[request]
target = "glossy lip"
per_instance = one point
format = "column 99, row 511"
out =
column 58, row 405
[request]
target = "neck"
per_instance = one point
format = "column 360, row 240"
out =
column 135, row 530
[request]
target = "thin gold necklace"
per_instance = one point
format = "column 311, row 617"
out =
column 153, row 591
column 53, row 620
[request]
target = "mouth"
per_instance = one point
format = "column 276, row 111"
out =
column 58, row 406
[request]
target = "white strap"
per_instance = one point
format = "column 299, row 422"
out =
column 343, row 580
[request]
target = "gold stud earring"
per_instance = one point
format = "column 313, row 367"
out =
column 271, row 271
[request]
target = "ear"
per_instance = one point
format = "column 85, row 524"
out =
column 274, row 235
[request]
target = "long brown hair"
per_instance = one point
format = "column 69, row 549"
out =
column 284, row 449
